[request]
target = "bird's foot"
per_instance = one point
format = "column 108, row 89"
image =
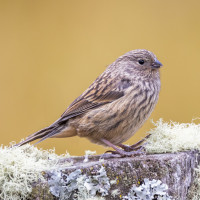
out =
column 136, row 151
column 129, row 153
column 129, row 148
column 135, row 146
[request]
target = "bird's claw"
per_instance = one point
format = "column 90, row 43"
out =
column 125, row 150
column 121, row 152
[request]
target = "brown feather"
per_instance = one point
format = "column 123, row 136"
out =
column 115, row 105
column 92, row 98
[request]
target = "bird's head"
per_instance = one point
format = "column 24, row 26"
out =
column 139, row 60
column 144, row 59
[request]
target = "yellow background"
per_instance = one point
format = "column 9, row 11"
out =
column 51, row 51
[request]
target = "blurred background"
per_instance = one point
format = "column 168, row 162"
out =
column 51, row 51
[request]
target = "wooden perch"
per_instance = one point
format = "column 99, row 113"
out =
column 176, row 170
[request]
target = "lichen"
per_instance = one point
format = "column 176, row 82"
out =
column 173, row 137
column 95, row 198
column 176, row 137
column 87, row 154
column 115, row 192
column 194, row 191
column 113, row 182
column 20, row 167
column 63, row 186
column 78, row 186
column 150, row 189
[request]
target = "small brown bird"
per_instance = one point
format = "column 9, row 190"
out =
column 114, row 106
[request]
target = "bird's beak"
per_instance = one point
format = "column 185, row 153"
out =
column 156, row 64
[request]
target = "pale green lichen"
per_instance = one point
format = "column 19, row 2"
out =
column 97, row 184
column 173, row 137
column 96, row 198
column 194, row 191
column 22, row 166
column 63, row 186
column 115, row 192
column 78, row 186
column 87, row 154
column 150, row 189
column 113, row 182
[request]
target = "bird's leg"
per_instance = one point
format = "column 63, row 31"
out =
column 135, row 146
column 128, row 148
column 121, row 151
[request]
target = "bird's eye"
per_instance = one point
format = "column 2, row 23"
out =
column 141, row 62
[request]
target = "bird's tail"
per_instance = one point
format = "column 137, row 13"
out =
column 45, row 133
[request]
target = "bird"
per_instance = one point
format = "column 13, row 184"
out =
column 114, row 106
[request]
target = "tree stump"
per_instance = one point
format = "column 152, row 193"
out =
column 113, row 178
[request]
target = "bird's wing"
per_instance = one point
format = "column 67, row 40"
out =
column 101, row 92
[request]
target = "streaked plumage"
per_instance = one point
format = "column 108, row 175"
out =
column 115, row 105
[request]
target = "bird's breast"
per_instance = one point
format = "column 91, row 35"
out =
column 119, row 120
column 132, row 111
